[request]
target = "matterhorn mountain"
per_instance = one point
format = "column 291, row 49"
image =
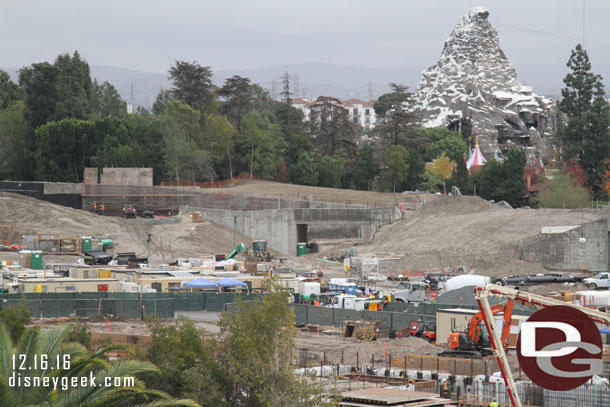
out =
column 473, row 88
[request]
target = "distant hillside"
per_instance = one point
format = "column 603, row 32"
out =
column 314, row 79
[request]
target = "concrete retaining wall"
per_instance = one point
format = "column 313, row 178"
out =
column 279, row 227
column 564, row 251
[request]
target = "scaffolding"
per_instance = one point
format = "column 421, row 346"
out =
column 166, row 201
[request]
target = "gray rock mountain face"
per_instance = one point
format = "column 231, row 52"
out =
column 473, row 88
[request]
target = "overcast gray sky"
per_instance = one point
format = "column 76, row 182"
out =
column 536, row 35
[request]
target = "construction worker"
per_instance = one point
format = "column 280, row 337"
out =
column 102, row 209
column 94, row 206
column 445, row 389
column 493, row 403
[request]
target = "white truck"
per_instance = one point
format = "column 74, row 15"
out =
column 412, row 292
column 352, row 302
column 602, row 280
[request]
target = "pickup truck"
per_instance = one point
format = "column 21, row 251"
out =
column 602, row 280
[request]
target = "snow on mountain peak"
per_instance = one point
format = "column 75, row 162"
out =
column 473, row 88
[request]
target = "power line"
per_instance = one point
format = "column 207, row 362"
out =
column 563, row 37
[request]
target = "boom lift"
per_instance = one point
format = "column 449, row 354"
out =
column 475, row 342
column 482, row 295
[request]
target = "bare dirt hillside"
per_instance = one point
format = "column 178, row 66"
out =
column 171, row 237
column 290, row 191
column 469, row 231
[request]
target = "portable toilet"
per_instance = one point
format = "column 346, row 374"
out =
column 301, row 248
column 37, row 260
column 86, row 243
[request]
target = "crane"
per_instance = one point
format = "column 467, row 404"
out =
column 482, row 295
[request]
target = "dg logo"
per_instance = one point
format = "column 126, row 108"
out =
column 559, row 348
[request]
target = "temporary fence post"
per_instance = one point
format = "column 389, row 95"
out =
column 405, row 371
column 389, row 367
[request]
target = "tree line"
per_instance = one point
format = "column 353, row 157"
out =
column 56, row 121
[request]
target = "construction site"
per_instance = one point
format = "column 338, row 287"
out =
column 383, row 285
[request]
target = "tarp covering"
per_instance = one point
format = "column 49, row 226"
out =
column 202, row 283
column 230, row 282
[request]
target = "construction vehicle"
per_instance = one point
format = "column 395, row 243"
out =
column 259, row 251
column 421, row 329
column 355, row 303
column 536, row 301
column 412, row 292
column 129, row 211
column 147, row 212
column 239, row 248
column 475, row 342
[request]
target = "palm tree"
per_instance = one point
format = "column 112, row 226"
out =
column 42, row 356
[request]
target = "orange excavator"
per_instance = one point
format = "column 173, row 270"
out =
column 475, row 343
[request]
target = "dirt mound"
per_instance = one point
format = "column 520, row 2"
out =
column 349, row 196
column 459, row 205
column 171, row 237
column 469, row 231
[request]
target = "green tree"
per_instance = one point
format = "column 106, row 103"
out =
column 367, row 169
column 164, row 97
column 502, row 181
column 258, row 342
column 9, row 91
column 73, row 88
column 444, row 141
column 260, row 143
column 460, row 175
column 16, row 157
column 417, row 171
column 397, row 120
column 192, row 83
column 561, row 192
column 106, row 101
column 398, row 166
column 298, row 144
column 64, row 149
column 330, row 171
column 174, row 349
column 330, row 128
column 220, row 133
column 586, row 134
column 33, row 345
column 237, row 97
column 15, row 319
column 38, row 84
column 304, row 171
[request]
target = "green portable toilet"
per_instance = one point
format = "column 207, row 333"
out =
column 37, row 260
column 86, row 243
column 301, row 248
